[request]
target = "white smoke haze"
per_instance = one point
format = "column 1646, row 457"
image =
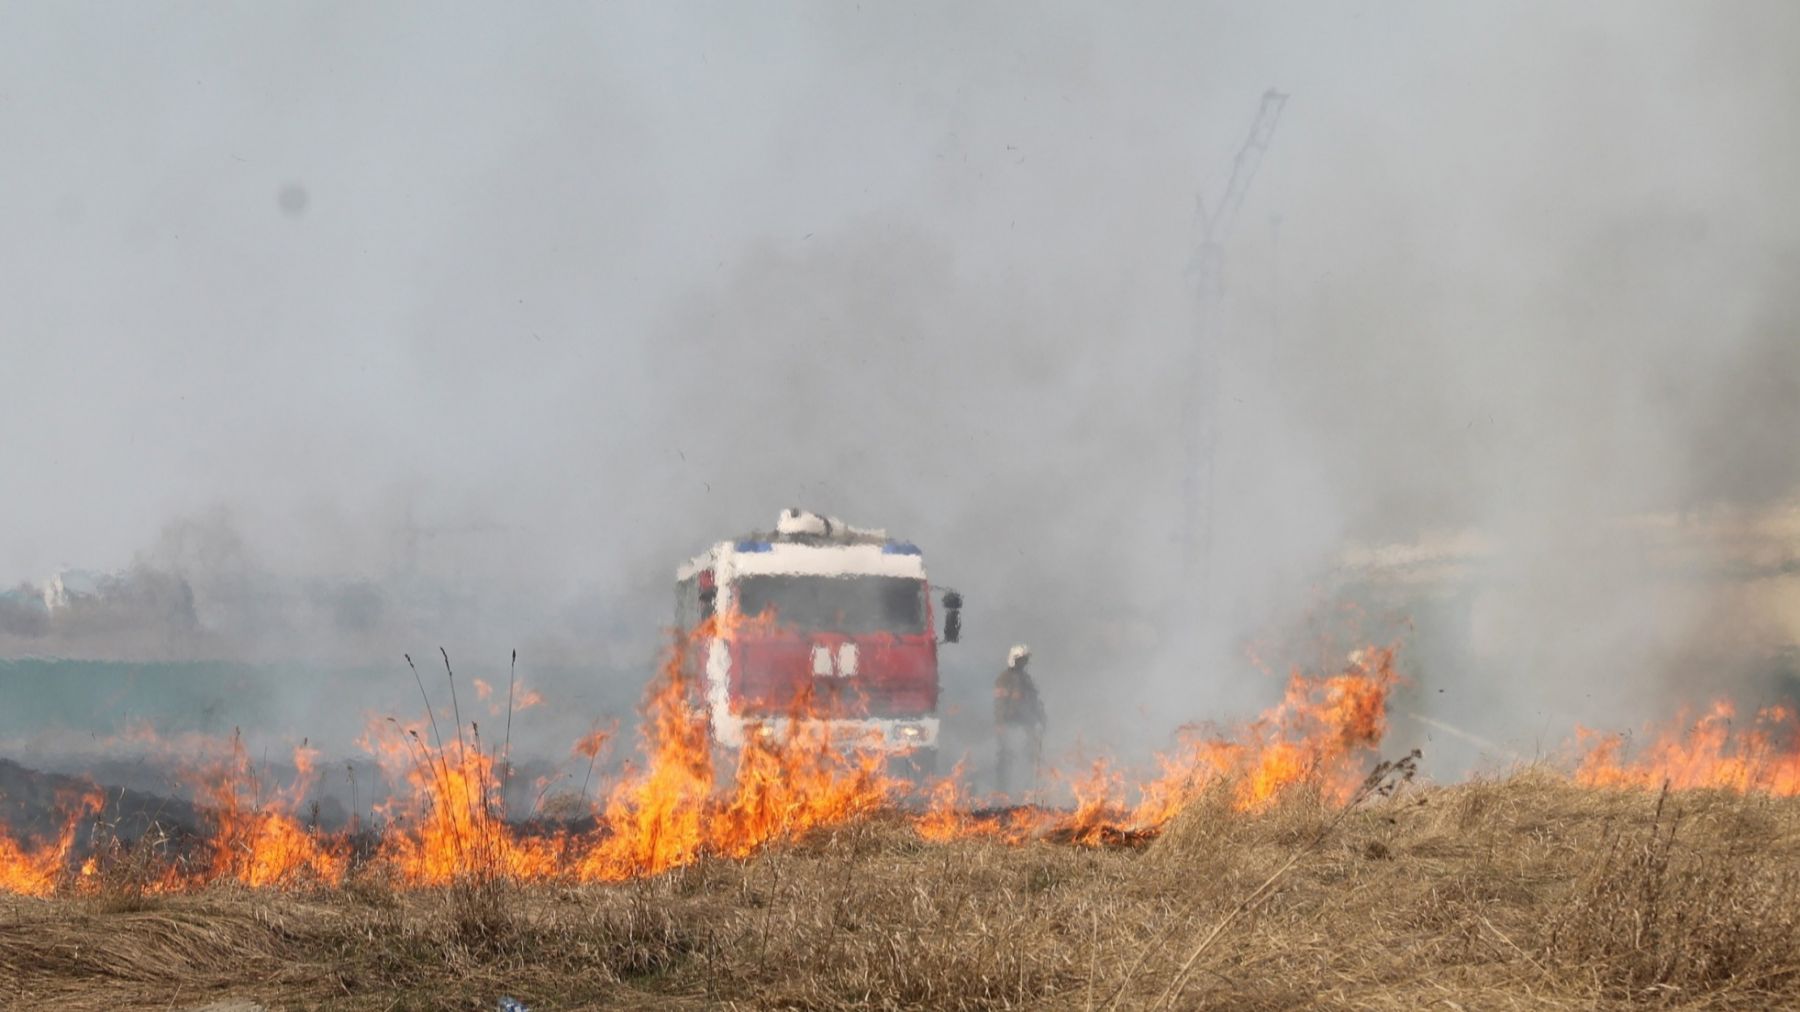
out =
column 380, row 329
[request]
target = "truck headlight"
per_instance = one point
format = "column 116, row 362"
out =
column 911, row 732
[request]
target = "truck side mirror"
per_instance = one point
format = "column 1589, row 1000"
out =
column 952, row 617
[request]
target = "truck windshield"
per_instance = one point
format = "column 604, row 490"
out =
column 840, row 604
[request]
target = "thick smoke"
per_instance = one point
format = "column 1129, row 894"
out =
column 564, row 298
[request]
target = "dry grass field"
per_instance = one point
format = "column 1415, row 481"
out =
column 1523, row 893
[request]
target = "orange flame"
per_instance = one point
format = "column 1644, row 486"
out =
column 257, row 841
column 450, row 825
column 654, row 818
column 446, row 823
column 589, row 745
column 37, row 871
column 1713, row 751
column 946, row 810
column 730, row 623
column 788, row 785
column 1320, row 734
column 784, row 785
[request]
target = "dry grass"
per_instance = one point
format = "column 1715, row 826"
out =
column 1523, row 893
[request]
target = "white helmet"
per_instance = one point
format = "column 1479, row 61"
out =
column 1018, row 655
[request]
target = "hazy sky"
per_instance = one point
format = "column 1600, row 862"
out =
column 584, row 287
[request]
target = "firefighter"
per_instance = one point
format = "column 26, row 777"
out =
column 1018, row 721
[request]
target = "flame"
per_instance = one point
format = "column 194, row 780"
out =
column 448, row 823
column 589, row 745
column 730, row 623
column 672, row 811
column 37, row 871
column 946, row 810
column 258, row 841
column 445, row 820
column 681, row 803
column 1320, row 736
column 1713, row 751
column 1098, row 808
column 522, row 698
column 654, row 817
column 790, row 784
column 952, row 813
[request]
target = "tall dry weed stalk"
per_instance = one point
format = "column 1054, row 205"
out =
column 1657, row 915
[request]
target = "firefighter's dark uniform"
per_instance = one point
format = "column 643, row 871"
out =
column 1018, row 726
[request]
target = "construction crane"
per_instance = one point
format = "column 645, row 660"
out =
column 1201, row 407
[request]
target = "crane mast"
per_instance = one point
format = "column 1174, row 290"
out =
column 1201, row 407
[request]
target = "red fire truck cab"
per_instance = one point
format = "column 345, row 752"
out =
column 817, row 622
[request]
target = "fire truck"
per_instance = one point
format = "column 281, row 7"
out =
column 820, row 622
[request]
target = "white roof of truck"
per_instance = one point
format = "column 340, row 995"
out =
column 807, row 544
